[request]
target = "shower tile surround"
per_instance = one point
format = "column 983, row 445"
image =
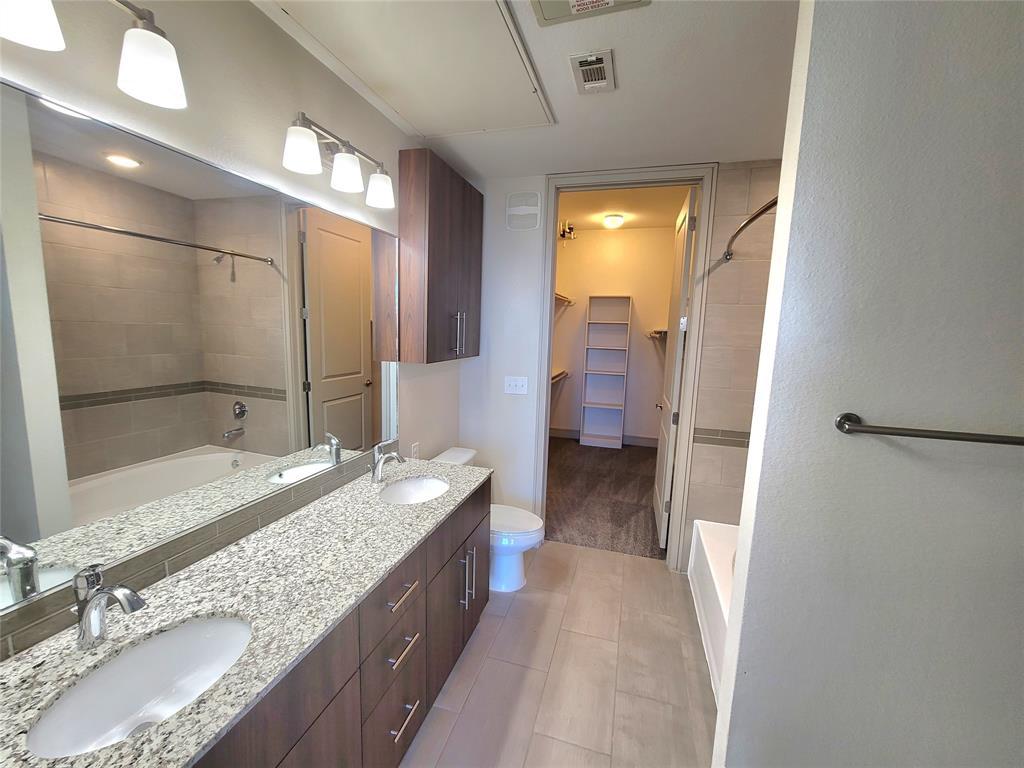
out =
column 155, row 341
column 352, row 541
column 148, row 543
column 733, row 319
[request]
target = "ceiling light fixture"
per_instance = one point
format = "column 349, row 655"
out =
column 149, row 68
column 303, row 153
column 614, row 220
column 123, row 161
column 62, row 109
column 32, row 23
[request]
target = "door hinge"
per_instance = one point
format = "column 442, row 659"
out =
column 693, row 223
column 307, row 386
column 302, row 236
column 675, row 419
column 305, row 313
column 668, row 505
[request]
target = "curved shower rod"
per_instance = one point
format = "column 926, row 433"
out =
column 753, row 217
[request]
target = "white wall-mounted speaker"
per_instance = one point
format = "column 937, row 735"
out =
column 522, row 210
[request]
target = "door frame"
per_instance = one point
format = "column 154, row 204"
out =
column 703, row 175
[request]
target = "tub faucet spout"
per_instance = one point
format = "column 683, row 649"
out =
column 231, row 434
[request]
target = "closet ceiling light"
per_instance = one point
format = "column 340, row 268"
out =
column 614, row 220
column 379, row 192
column 62, row 109
column 302, row 151
column 123, row 161
column 149, row 68
column 347, row 174
column 32, row 23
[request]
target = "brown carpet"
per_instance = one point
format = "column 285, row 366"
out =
column 602, row 497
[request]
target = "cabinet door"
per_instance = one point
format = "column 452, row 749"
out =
column 443, row 264
column 335, row 739
column 472, row 265
column 478, row 551
column 446, row 608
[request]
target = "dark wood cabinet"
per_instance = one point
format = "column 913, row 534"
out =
column 440, row 260
column 408, row 633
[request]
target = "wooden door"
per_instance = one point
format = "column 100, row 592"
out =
column 472, row 264
column 444, row 262
column 337, row 259
column 668, row 401
column 478, row 547
column 445, row 621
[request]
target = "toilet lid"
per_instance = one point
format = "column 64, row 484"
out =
column 506, row 519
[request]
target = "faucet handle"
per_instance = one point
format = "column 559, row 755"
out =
column 331, row 439
column 87, row 581
column 13, row 553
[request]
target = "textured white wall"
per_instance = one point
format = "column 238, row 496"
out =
column 877, row 616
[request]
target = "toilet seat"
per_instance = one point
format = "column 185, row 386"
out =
column 514, row 522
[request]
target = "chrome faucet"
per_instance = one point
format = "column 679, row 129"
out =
column 92, row 598
column 380, row 459
column 231, row 434
column 19, row 560
column 334, row 445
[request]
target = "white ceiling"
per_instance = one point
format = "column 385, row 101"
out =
column 442, row 68
column 697, row 81
column 641, row 206
column 88, row 142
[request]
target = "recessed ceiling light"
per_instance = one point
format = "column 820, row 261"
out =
column 122, row 161
column 614, row 220
column 62, row 109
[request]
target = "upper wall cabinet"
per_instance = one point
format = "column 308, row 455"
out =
column 440, row 218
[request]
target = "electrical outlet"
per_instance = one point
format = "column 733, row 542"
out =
column 515, row 385
column 414, row 451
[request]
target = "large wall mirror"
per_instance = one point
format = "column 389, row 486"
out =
column 178, row 342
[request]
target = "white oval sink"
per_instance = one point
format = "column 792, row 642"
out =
column 49, row 576
column 145, row 684
column 301, row 472
column 413, row 490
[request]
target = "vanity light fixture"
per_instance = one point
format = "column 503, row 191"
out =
column 62, row 109
column 149, row 68
column 32, row 23
column 123, row 161
column 304, row 146
column 614, row 220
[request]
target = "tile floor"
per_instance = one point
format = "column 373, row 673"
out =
column 597, row 662
column 602, row 497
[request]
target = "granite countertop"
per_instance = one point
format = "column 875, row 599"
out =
column 112, row 538
column 349, row 541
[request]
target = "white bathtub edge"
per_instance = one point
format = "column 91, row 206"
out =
column 710, row 604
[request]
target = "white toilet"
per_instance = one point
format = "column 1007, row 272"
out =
column 513, row 531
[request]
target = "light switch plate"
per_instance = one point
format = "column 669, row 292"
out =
column 515, row 385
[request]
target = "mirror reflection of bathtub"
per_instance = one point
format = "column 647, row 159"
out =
column 106, row 493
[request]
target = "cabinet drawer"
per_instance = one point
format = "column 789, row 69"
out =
column 390, row 600
column 335, row 738
column 448, row 538
column 392, row 725
column 383, row 666
column 276, row 723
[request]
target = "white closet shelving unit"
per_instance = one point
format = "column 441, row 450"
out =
column 606, row 358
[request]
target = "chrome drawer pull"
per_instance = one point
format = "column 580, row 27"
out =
column 412, row 711
column 396, row 663
column 472, row 592
column 465, row 596
column 409, row 588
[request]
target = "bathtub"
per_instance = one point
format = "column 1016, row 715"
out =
column 107, row 493
column 712, row 556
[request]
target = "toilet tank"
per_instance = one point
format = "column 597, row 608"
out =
column 456, row 455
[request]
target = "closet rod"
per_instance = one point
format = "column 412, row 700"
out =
column 157, row 238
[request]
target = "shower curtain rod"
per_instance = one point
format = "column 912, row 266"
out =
column 170, row 240
column 753, row 217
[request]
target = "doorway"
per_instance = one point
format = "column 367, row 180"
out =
column 622, row 275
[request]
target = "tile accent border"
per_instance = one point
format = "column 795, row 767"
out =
column 35, row 620
column 724, row 437
column 89, row 399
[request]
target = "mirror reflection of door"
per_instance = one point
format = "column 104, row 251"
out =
column 337, row 261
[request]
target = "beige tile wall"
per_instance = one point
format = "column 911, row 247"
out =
column 732, row 339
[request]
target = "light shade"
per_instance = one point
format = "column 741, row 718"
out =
column 347, row 174
column 614, row 220
column 379, row 192
column 149, row 69
column 301, row 151
column 32, row 23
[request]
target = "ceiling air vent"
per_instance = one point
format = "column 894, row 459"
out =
column 593, row 72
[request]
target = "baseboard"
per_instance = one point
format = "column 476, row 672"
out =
column 574, row 434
